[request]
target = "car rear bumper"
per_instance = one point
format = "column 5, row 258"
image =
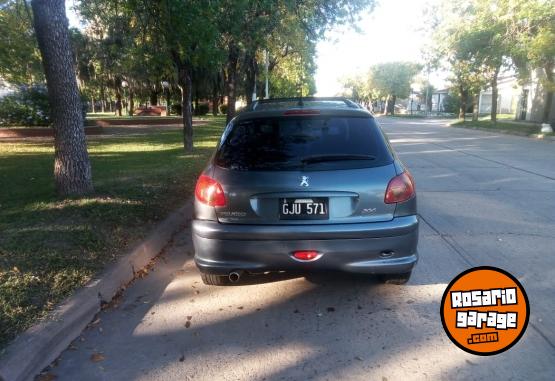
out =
column 357, row 248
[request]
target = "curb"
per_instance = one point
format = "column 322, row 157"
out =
column 508, row 132
column 36, row 348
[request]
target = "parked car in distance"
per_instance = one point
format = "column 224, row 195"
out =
column 304, row 185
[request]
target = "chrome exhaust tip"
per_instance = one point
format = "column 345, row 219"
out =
column 234, row 276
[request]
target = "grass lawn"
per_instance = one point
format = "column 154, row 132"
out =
column 51, row 246
column 501, row 125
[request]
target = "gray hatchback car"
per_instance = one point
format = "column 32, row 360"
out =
column 304, row 185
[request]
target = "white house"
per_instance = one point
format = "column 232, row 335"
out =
column 525, row 102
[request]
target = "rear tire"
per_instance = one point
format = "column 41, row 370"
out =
column 215, row 280
column 397, row 279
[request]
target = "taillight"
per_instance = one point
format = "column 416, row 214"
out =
column 209, row 191
column 400, row 188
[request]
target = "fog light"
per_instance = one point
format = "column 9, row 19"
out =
column 306, row 255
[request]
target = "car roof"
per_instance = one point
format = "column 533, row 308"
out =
column 305, row 106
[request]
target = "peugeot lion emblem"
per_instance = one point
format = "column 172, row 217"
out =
column 304, row 181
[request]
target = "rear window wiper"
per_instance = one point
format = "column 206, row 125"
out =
column 338, row 157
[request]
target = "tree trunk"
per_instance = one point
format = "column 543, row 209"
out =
column 390, row 105
column 231, row 85
column 153, row 98
column 549, row 94
column 463, row 105
column 250, row 80
column 197, row 102
column 185, row 84
column 119, row 104
column 494, row 96
column 102, row 99
column 93, row 104
column 131, row 103
column 475, row 105
column 393, row 100
column 72, row 168
column 215, row 102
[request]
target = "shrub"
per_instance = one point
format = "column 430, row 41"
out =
column 202, row 109
column 175, row 108
column 26, row 107
column 29, row 106
column 223, row 109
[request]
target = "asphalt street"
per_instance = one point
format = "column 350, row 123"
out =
column 484, row 199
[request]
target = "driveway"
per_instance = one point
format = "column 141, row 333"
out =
column 485, row 199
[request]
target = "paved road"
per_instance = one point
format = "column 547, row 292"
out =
column 484, row 200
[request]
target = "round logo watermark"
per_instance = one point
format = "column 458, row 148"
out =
column 485, row 310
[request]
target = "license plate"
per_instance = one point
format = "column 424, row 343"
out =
column 313, row 208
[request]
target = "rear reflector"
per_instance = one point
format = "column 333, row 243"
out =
column 209, row 191
column 302, row 112
column 306, row 255
column 400, row 188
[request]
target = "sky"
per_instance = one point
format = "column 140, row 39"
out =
column 392, row 32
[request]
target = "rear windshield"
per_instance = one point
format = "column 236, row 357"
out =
column 299, row 143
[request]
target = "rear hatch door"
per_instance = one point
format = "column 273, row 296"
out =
column 337, row 165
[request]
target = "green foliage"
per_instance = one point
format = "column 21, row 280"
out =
column 475, row 39
column 202, row 109
column 451, row 103
column 531, row 34
column 392, row 78
column 19, row 54
column 223, row 109
column 176, row 108
column 27, row 107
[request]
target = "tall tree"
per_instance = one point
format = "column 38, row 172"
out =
column 72, row 169
column 392, row 80
column 189, row 32
column 531, row 32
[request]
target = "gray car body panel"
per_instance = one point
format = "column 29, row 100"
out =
column 362, row 234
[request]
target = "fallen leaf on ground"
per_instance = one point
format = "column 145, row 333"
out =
column 46, row 377
column 96, row 321
column 97, row 357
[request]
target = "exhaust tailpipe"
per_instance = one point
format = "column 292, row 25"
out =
column 234, row 276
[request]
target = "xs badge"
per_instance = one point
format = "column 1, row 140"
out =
column 304, row 181
column 369, row 210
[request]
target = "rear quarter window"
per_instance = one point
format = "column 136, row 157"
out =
column 282, row 143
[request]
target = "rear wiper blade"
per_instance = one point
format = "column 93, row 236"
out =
column 339, row 157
